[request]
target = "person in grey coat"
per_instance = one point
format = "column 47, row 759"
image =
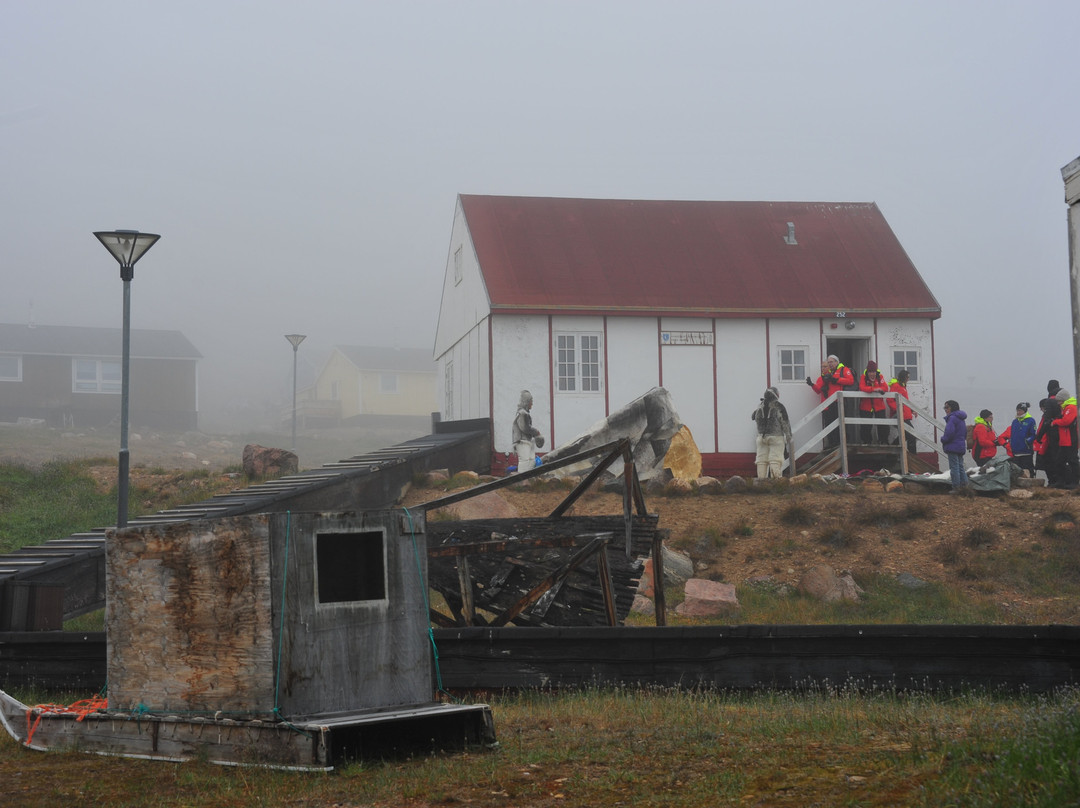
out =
column 773, row 434
column 526, row 437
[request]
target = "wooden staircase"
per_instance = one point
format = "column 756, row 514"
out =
column 861, row 457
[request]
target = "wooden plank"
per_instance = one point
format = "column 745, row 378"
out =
column 551, row 580
column 468, row 611
column 498, row 546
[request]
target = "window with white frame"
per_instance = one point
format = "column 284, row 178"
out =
column 10, row 368
column 792, row 363
column 388, row 382
column 577, row 363
column 906, row 359
column 96, row 376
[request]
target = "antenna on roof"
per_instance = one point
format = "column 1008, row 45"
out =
column 790, row 237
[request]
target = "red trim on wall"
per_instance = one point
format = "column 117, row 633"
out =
column 933, row 369
column 551, row 382
column 491, row 381
column 715, row 394
column 728, row 464
column 607, row 386
column 768, row 352
column 659, row 351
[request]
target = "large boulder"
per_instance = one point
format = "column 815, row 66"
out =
column 262, row 461
column 678, row 568
column 683, row 456
column 650, row 422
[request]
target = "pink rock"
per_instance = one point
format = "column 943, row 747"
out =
column 707, row 599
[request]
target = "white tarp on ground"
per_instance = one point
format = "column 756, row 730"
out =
column 650, row 422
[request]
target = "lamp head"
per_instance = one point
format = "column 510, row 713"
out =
column 127, row 247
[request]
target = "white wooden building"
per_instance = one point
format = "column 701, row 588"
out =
column 589, row 303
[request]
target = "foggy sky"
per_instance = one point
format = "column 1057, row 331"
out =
column 301, row 161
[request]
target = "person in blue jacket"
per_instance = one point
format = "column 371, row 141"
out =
column 954, row 442
column 1019, row 438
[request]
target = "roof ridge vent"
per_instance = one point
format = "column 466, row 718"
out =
column 790, row 237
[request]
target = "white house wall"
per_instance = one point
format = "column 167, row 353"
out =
column 467, row 396
column 714, row 387
column 519, row 361
column 687, row 366
column 905, row 334
column 633, row 359
column 741, row 378
column 461, row 337
column 465, row 303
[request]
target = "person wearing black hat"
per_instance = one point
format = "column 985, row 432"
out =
column 1052, row 387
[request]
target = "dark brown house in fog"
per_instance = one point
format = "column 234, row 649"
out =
column 70, row 376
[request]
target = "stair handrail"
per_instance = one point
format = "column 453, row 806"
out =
column 842, row 420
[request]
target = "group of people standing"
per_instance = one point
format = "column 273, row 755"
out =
column 1049, row 446
column 835, row 375
column 774, row 428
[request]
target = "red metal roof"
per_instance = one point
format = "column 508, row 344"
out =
column 546, row 255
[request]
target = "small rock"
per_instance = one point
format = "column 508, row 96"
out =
column 735, row 483
column 909, row 581
column 823, row 583
column 642, row 605
column 707, row 598
column 709, row 485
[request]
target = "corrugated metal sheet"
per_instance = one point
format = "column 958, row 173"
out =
column 545, row 255
column 67, row 340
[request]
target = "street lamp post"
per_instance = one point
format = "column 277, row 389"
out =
column 295, row 340
column 127, row 247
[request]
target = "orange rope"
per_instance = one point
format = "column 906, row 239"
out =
column 80, row 709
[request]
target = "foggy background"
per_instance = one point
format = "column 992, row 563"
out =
column 301, row 161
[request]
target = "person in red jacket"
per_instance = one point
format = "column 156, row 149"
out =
column 835, row 375
column 985, row 440
column 871, row 381
column 1068, row 465
column 899, row 385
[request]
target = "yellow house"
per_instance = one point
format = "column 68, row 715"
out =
column 357, row 382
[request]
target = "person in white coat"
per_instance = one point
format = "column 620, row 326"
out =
column 526, row 437
column 773, row 434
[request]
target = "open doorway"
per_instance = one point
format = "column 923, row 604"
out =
column 855, row 353
column 852, row 351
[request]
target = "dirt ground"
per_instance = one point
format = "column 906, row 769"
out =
column 859, row 528
column 776, row 531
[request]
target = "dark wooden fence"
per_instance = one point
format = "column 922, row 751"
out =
column 931, row 658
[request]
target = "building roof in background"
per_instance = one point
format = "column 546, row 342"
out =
column 547, row 255
column 402, row 360
column 73, row 340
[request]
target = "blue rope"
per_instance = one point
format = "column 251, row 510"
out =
column 427, row 605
